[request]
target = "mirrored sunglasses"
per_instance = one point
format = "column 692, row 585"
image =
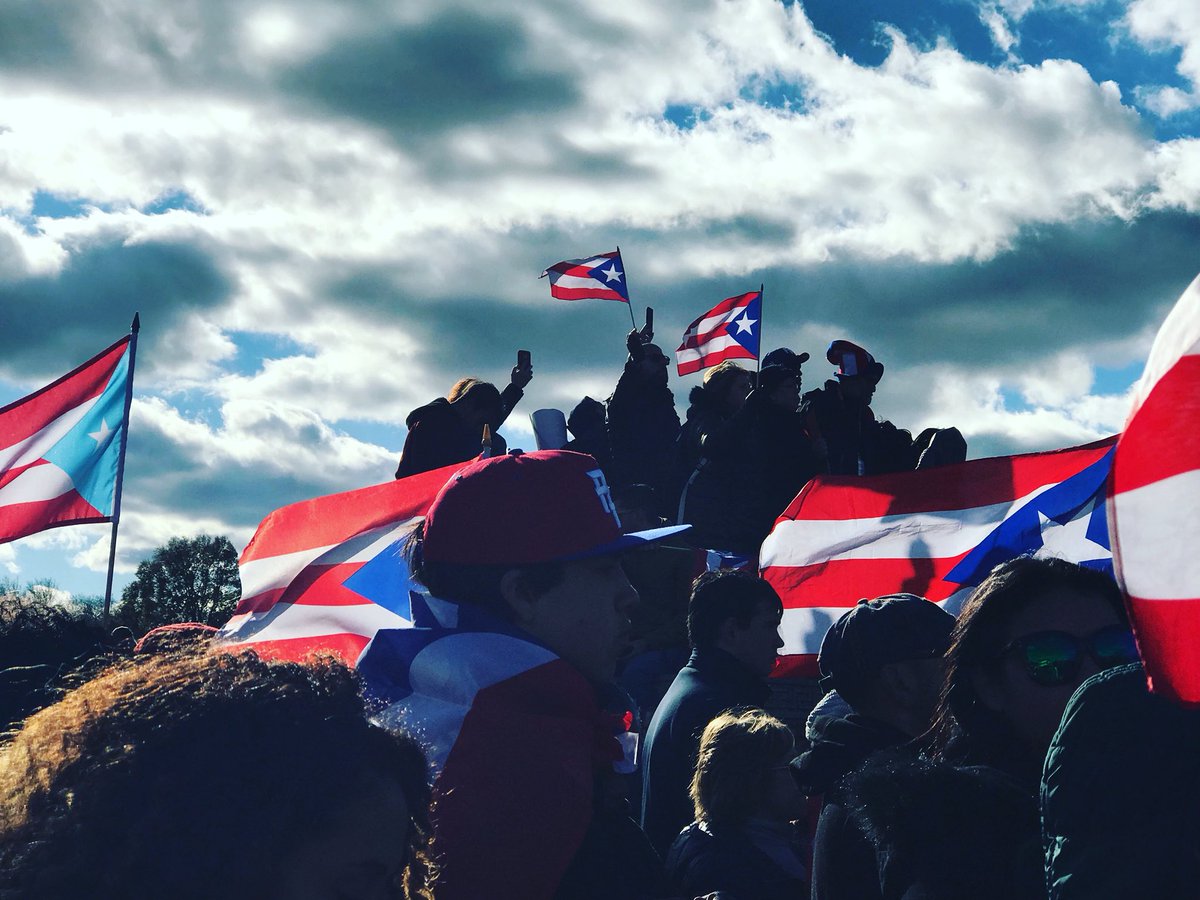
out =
column 1053, row 658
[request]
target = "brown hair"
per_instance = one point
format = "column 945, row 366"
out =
column 737, row 751
column 190, row 776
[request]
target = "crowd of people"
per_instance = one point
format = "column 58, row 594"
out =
column 576, row 714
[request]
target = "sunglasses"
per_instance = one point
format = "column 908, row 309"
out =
column 1053, row 658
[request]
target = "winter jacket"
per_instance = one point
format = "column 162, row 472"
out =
column 1121, row 794
column 853, row 435
column 840, row 744
column 642, row 429
column 756, row 860
column 904, row 826
column 437, row 435
column 711, row 682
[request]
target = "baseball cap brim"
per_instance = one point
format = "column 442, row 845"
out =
column 630, row 541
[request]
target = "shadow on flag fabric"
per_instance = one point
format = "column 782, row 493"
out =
column 594, row 278
column 327, row 574
column 1155, row 506
column 60, row 448
column 730, row 330
column 935, row 533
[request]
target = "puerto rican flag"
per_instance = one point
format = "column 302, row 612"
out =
column 60, row 448
column 327, row 574
column 1155, row 506
column 730, row 330
column 595, row 278
column 935, row 533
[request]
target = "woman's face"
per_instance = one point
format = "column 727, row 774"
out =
column 1034, row 710
column 782, row 801
column 739, row 389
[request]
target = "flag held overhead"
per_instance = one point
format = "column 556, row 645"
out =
column 600, row 277
column 730, row 330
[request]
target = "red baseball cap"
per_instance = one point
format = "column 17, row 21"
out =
column 528, row 508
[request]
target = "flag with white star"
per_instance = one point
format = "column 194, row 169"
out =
column 599, row 277
column 730, row 330
column 60, row 448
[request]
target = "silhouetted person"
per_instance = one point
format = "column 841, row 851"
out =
column 642, row 422
column 450, row 429
column 589, row 429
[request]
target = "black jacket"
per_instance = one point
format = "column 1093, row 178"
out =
column 852, row 433
column 738, row 862
column 711, row 682
column 903, row 827
column 1121, row 794
column 839, row 746
column 642, row 429
column 437, row 435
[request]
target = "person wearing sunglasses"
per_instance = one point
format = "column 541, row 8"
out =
column 1025, row 639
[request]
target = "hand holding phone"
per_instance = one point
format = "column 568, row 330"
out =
column 647, row 332
column 522, row 372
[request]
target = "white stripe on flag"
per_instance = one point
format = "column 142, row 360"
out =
column 35, row 446
column 805, row 542
column 716, row 345
column 308, row 620
column 803, row 627
column 1155, row 563
column 37, row 485
column 275, row 572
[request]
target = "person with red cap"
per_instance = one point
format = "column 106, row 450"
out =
column 507, row 676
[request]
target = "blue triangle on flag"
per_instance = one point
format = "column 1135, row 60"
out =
column 1022, row 532
column 744, row 327
column 611, row 274
column 385, row 581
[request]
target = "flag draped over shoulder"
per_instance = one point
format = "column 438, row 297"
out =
column 730, row 330
column 60, row 448
column 599, row 277
column 935, row 533
column 326, row 574
column 1155, row 506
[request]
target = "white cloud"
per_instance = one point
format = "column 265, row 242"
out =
column 1166, row 24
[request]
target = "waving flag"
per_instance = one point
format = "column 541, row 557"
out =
column 935, row 533
column 60, row 448
column 1155, row 506
column 730, row 330
column 327, row 574
column 595, row 278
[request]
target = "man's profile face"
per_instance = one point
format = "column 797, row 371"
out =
column 757, row 643
column 655, row 363
column 859, row 389
column 585, row 617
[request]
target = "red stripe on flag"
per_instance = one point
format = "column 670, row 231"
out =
column 23, row 417
column 1168, row 635
column 1160, row 438
column 347, row 647
column 711, row 359
column 20, row 520
column 843, row 582
column 11, row 474
column 326, row 521
column 596, row 293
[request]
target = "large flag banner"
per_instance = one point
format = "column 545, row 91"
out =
column 599, row 277
column 60, row 448
column 730, row 330
column 935, row 533
column 327, row 574
column 1155, row 506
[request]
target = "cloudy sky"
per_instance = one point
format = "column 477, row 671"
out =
column 326, row 212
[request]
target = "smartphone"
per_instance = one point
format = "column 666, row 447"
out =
column 650, row 320
column 524, row 359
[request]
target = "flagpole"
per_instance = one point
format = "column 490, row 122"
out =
column 116, row 516
column 762, row 305
column 628, row 301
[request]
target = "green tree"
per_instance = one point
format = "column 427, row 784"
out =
column 186, row 580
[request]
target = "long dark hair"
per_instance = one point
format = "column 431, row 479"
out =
column 962, row 723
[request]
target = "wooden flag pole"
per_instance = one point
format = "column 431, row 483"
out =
column 116, row 516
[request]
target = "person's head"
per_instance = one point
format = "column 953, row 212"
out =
column 553, row 568
column 654, row 364
column 1027, row 636
column 728, row 385
column 587, row 419
column 786, row 357
column 739, row 613
column 637, row 507
column 211, row 774
column 858, row 372
column 781, row 386
column 884, row 657
column 478, row 402
column 742, row 770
